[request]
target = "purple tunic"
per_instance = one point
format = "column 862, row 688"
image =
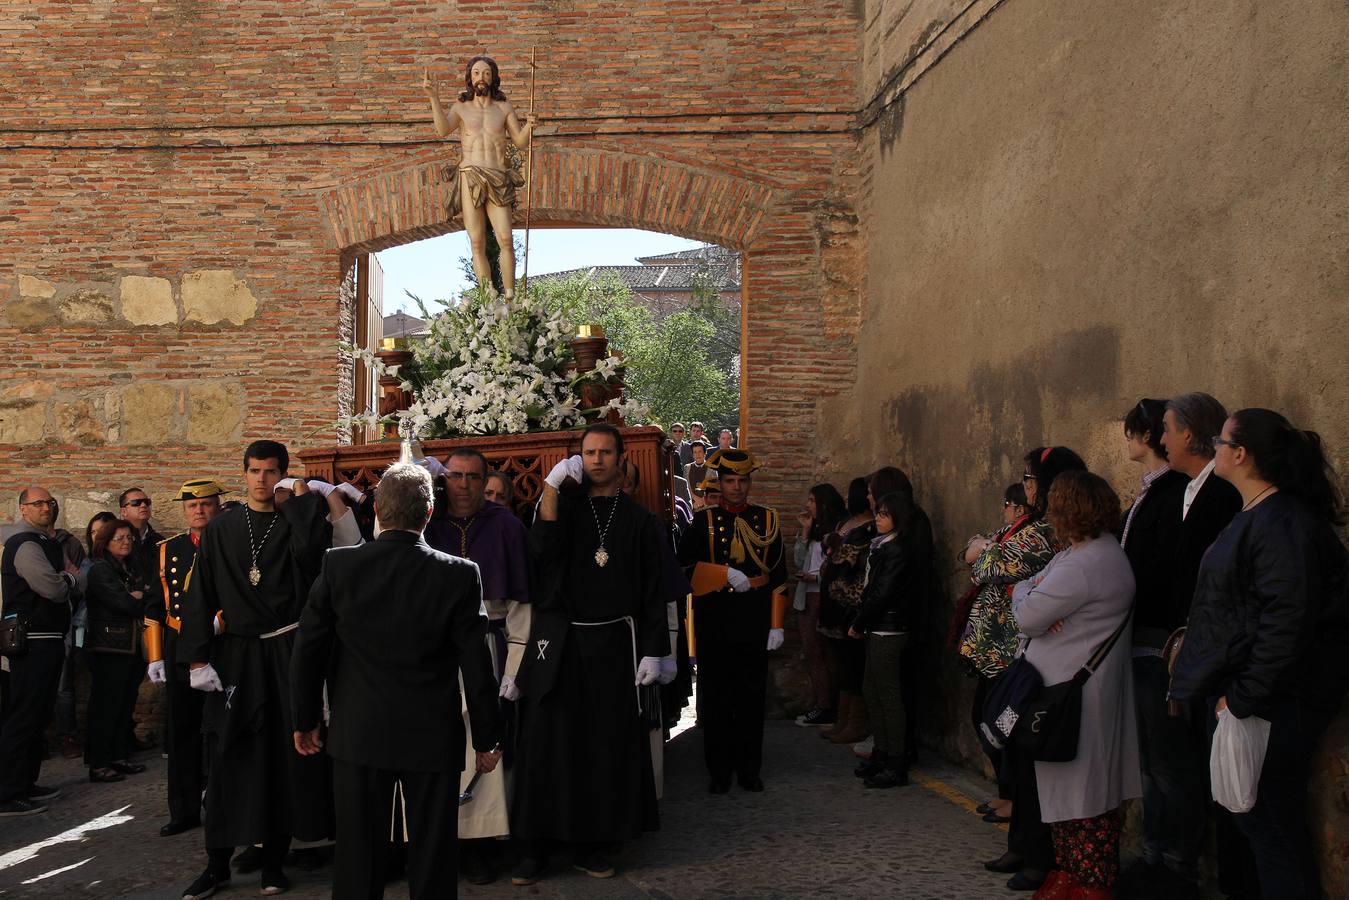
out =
column 494, row 539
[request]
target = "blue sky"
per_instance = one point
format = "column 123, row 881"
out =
column 430, row 268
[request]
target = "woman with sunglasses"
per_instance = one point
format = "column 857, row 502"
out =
column 115, row 601
column 1269, row 625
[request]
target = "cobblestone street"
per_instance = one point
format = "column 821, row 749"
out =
column 815, row 831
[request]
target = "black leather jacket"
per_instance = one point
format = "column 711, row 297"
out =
column 1270, row 617
column 897, row 580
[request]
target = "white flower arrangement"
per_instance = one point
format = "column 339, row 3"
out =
column 488, row 367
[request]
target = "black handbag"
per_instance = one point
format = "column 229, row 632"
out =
column 115, row 636
column 1011, row 690
column 13, row 635
column 1051, row 723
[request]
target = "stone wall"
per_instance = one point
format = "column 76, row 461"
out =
column 1072, row 206
column 181, row 203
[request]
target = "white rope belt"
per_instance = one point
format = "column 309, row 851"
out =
column 632, row 632
column 280, row 631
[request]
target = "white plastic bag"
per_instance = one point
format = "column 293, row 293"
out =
column 1236, row 759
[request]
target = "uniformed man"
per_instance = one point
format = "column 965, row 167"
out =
column 177, row 556
column 734, row 556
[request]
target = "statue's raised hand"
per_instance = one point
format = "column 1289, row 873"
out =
column 531, row 120
column 429, row 83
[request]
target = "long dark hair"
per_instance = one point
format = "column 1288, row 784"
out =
column 857, row 497
column 1291, row 459
column 1044, row 464
column 494, row 89
column 829, row 511
column 887, row 480
column 94, row 524
column 900, row 507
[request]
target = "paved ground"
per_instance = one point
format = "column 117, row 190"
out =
column 815, row 831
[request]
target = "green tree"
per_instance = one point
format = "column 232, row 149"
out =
column 676, row 368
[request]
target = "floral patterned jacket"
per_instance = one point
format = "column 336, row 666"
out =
column 991, row 637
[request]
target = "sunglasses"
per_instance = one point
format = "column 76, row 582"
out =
column 143, row 501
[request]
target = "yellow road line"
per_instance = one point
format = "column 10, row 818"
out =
column 948, row 792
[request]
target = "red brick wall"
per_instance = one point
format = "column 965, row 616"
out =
column 151, row 140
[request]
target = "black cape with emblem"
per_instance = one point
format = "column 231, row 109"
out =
column 583, row 770
column 259, row 786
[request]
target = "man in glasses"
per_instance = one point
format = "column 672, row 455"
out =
column 135, row 505
column 470, row 526
column 37, row 584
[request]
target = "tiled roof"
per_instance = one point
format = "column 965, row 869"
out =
column 673, row 278
column 400, row 324
column 709, row 253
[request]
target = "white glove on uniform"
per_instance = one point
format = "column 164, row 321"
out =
column 738, row 580
column 432, row 465
column 775, row 638
column 508, row 689
column 571, row 467
column 205, row 679
column 648, row 670
column 155, row 672
column 669, row 670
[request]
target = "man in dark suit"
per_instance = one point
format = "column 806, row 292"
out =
column 391, row 624
column 1178, row 524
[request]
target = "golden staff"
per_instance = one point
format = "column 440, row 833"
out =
column 529, row 163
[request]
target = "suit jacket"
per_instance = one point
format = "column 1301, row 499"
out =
column 1154, row 537
column 391, row 624
column 1213, row 508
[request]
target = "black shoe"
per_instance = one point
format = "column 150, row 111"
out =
column 816, row 718
column 1006, row 864
column 20, row 807
column 127, row 768
column 869, row 767
column 888, row 778
column 309, row 859
column 105, row 775
column 595, row 865
column 996, row 819
column 719, row 786
column 173, row 828
column 527, row 871
column 473, row 865
column 40, row 793
column 983, row 809
column 207, row 883
column 753, row 784
column 1026, row 880
column 274, row 883
column 248, row 860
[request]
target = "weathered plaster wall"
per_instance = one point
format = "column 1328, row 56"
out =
column 1079, row 205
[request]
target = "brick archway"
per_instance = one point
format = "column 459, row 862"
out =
column 571, row 187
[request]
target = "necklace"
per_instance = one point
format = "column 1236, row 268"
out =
column 602, row 555
column 1257, row 497
column 463, row 533
column 254, row 573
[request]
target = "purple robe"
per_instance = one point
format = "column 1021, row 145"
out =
column 494, row 539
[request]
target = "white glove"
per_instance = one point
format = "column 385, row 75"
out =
column 648, row 670
column 570, row 467
column 669, row 669
column 508, row 689
column 775, row 638
column 738, row 580
column 205, row 679
column 432, row 465
column 155, row 672
column 351, row 491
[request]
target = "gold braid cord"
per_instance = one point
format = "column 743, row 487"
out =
column 747, row 542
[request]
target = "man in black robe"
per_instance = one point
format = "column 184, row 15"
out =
column 255, row 567
column 583, row 770
column 735, row 562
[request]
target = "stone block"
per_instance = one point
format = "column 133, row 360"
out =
column 86, row 305
column 36, row 287
column 81, row 422
column 22, row 421
column 148, row 301
column 214, row 412
column 76, row 510
column 148, row 413
column 217, row 295
column 27, row 312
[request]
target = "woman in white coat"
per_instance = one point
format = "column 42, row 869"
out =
column 1069, row 610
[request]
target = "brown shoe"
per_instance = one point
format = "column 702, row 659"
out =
column 845, row 704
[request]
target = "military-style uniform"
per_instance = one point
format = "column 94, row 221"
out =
column 729, row 630
column 176, row 558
